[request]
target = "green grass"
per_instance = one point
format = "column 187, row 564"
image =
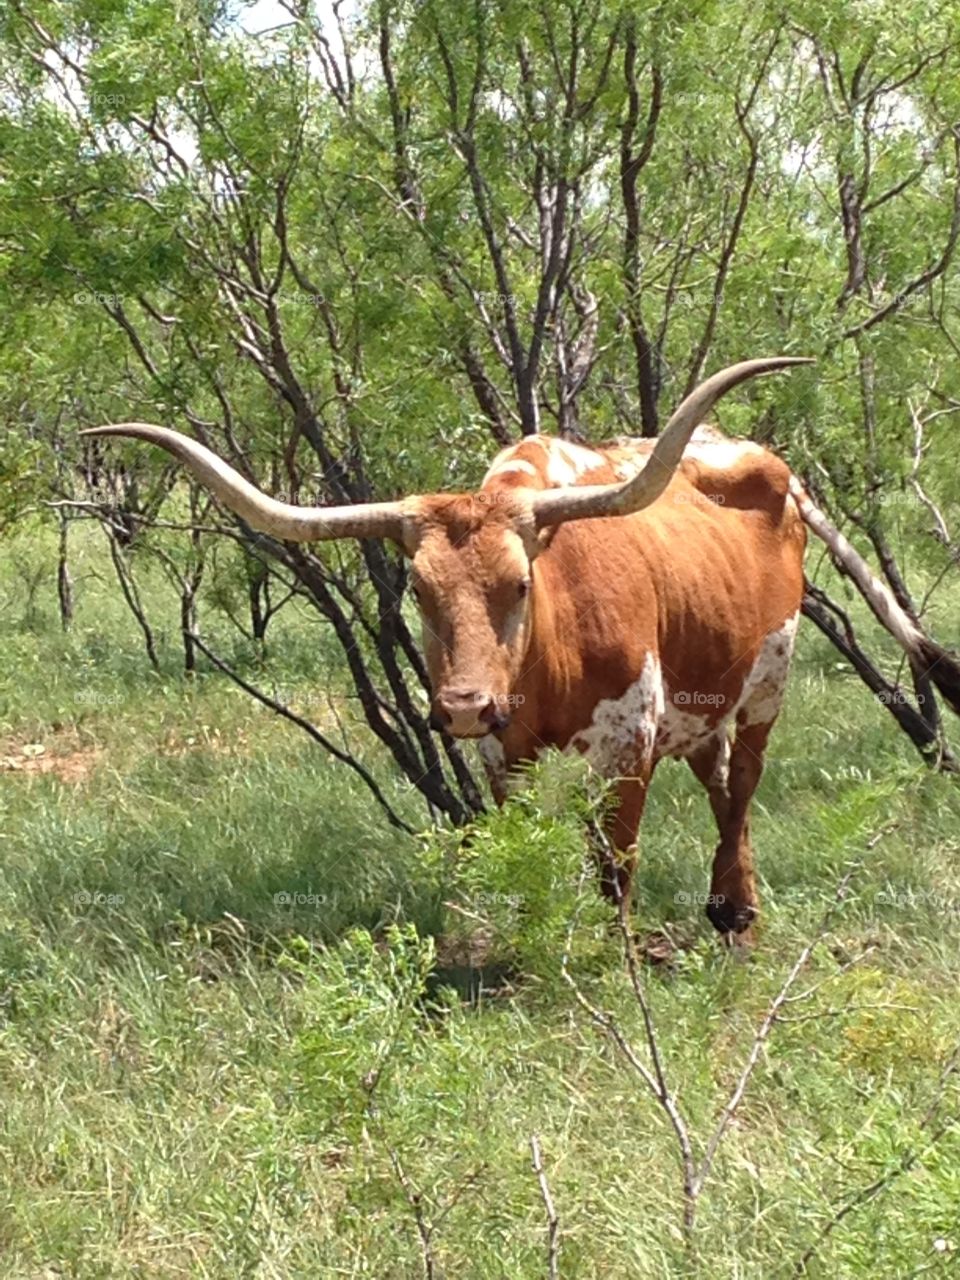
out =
column 199, row 1079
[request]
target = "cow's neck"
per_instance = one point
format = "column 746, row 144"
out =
column 550, row 664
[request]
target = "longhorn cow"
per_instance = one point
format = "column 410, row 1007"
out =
column 631, row 601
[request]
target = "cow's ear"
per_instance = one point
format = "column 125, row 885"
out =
column 411, row 533
column 545, row 536
column 534, row 540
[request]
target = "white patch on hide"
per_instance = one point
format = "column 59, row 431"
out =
column 559, row 472
column 580, row 458
column 763, row 688
column 681, row 732
column 627, row 468
column 566, row 462
column 721, row 770
column 707, row 444
column 650, row 721
column 622, row 732
column 508, row 468
column 494, row 763
column 720, row 451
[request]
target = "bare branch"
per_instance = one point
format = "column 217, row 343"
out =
column 836, row 625
column 310, row 729
column 553, row 1222
column 632, row 163
column 763, row 1033
column 653, row 1080
column 933, row 272
column 919, row 424
column 742, row 110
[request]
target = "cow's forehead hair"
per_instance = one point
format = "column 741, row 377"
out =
column 491, row 532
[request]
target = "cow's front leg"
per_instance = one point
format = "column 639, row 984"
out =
column 617, row 856
column 499, row 773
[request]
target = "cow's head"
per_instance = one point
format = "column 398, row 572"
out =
column 472, row 555
column 471, row 572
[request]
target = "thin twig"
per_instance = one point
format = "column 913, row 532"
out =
column 553, row 1222
column 414, row 1199
column 848, row 1008
column 831, row 977
column 762, row 1034
column 655, row 1083
column 310, row 728
column 695, row 1173
column 919, row 423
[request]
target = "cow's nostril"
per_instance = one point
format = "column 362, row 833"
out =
column 494, row 714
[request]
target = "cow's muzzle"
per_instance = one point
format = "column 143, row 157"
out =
column 469, row 713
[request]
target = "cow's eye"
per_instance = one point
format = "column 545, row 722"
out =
column 523, row 587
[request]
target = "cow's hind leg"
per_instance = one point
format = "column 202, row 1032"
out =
column 711, row 766
column 732, row 905
column 729, row 778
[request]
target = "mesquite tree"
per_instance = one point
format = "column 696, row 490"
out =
column 356, row 253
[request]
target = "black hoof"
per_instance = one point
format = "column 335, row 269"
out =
column 727, row 917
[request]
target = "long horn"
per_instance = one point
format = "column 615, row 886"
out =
column 265, row 514
column 580, row 502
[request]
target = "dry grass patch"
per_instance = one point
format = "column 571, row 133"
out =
column 63, row 752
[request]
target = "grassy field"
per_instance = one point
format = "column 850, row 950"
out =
column 233, row 1033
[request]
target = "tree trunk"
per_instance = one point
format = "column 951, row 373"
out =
column 188, row 624
column 131, row 595
column 64, row 578
column 259, row 602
